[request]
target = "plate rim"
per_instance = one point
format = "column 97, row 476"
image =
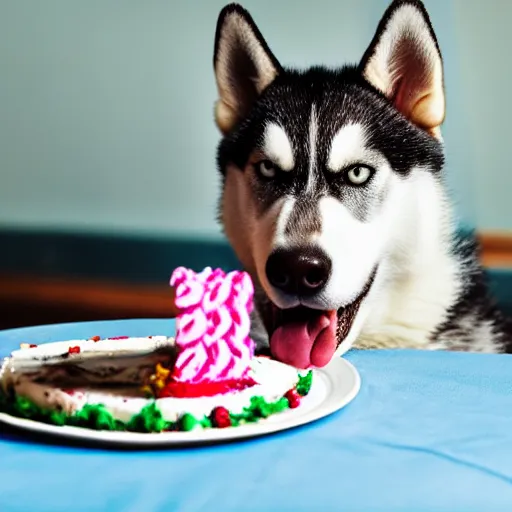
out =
column 328, row 406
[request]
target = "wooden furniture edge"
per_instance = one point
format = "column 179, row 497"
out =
column 113, row 298
column 496, row 249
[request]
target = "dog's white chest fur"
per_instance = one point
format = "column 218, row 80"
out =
column 419, row 279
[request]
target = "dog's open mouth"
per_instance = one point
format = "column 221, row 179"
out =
column 304, row 337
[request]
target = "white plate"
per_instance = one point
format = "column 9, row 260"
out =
column 334, row 386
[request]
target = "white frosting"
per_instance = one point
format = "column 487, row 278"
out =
column 57, row 348
column 273, row 379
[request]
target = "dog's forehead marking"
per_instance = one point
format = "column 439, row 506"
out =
column 312, row 136
column 347, row 147
column 282, row 221
column 278, row 147
column 304, row 220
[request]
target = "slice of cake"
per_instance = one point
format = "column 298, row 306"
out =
column 207, row 376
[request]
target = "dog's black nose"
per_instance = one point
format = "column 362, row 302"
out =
column 301, row 271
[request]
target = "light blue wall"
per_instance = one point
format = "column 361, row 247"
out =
column 106, row 106
column 484, row 37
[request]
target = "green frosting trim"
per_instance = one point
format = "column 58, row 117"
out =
column 150, row 418
column 259, row 408
column 24, row 408
column 304, row 385
column 206, row 422
column 188, row 422
column 92, row 416
column 96, row 417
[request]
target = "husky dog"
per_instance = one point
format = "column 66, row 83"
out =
column 333, row 197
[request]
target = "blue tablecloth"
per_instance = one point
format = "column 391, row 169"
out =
column 428, row 432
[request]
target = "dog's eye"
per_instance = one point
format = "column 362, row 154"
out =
column 266, row 169
column 358, row 174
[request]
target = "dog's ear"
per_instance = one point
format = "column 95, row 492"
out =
column 244, row 65
column 404, row 62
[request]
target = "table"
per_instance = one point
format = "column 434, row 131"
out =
column 429, row 431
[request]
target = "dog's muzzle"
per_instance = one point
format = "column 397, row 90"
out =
column 301, row 336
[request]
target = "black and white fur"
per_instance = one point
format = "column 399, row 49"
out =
column 295, row 145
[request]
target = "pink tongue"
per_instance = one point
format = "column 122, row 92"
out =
column 306, row 344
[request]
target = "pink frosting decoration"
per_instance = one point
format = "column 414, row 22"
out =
column 212, row 335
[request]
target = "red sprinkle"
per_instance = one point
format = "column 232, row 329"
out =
column 293, row 398
column 119, row 338
column 95, row 338
column 32, row 345
column 194, row 390
column 74, row 350
column 220, row 417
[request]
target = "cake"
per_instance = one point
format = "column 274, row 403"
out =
column 207, row 376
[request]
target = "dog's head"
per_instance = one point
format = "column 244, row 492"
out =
column 314, row 168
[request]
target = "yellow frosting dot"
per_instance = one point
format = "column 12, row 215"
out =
column 162, row 372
